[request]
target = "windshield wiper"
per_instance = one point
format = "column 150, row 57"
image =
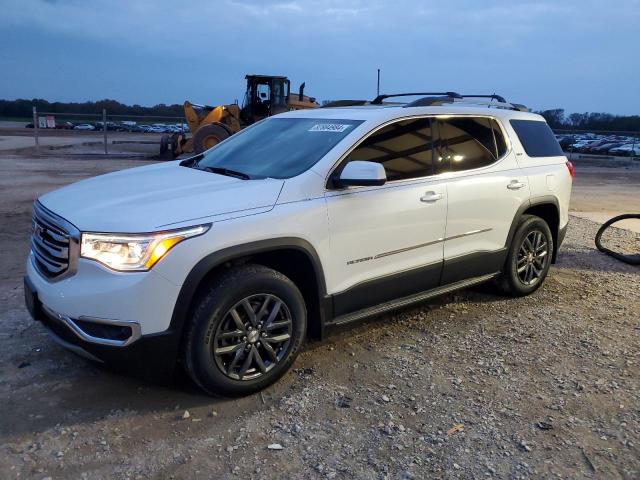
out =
column 226, row 171
column 192, row 162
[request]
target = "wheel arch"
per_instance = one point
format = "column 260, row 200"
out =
column 294, row 257
column 546, row 207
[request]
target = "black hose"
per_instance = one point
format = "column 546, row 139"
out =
column 630, row 259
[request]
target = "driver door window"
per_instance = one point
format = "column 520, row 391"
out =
column 404, row 148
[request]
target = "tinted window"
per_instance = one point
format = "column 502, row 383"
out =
column 466, row 143
column 537, row 138
column 403, row 148
column 501, row 143
column 278, row 147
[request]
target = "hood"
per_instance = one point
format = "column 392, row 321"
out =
column 157, row 197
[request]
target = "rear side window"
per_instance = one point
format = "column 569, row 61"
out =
column 537, row 138
column 405, row 149
column 466, row 143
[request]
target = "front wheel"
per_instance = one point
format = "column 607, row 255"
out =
column 246, row 331
column 529, row 257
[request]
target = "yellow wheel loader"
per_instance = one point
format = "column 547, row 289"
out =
column 266, row 95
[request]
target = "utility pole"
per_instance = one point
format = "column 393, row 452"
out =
column 104, row 128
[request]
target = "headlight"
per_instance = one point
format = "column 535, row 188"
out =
column 134, row 252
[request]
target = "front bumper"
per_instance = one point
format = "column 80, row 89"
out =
column 94, row 291
column 117, row 343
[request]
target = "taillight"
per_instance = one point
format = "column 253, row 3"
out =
column 571, row 169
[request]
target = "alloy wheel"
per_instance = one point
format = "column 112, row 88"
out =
column 253, row 337
column 533, row 256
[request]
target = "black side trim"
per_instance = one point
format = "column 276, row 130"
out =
column 472, row 265
column 408, row 300
column 562, row 232
column 208, row 263
column 385, row 289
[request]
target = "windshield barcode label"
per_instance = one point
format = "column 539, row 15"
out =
column 329, row 127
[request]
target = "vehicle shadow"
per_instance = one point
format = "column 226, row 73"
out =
column 58, row 389
column 592, row 260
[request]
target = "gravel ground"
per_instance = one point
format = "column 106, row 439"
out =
column 471, row 385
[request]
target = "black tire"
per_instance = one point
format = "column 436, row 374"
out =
column 164, row 144
column 176, row 143
column 218, row 374
column 526, row 268
column 208, row 136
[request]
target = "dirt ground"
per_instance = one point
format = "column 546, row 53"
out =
column 471, row 385
column 602, row 193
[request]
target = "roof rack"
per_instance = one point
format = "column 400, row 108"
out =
column 496, row 97
column 378, row 100
column 434, row 99
column 345, row 103
column 429, row 101
column 495, row 101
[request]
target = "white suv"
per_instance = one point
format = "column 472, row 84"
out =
column 226, row 261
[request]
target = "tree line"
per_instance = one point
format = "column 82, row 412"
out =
column 557, row 119
column 23, row 108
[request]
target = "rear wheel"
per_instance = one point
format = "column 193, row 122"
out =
column 164, row 144
column 246, row 331
column 208, row 136
column 529, row 257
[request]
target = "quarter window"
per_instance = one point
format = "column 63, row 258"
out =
column 537, row 138
column 404, row 148
column 466, row 143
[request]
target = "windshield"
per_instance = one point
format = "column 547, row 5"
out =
column 277, row 147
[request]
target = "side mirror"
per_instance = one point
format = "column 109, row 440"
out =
column 361, row 173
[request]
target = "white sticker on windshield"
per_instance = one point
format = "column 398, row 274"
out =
column 329, row 127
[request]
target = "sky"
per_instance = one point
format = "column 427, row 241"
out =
column 580, row 55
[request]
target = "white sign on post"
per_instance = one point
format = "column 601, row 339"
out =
column 42, row 122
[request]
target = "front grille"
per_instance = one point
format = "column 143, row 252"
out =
column 51, row 242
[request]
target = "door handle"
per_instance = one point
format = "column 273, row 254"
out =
column 430, row 197
column 516, row 185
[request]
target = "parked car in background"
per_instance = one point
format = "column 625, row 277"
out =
column 605, row 147
column 174, row 129
column 626, row 150
column 594, row 144
column 65, row 126
column 111, row 126
column 84, row 126
column 566, row 140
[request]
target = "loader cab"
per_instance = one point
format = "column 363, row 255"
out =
column 265, row 96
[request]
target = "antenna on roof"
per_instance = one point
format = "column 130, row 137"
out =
column 378, row 91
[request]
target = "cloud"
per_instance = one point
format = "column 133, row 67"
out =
column 555, row 53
